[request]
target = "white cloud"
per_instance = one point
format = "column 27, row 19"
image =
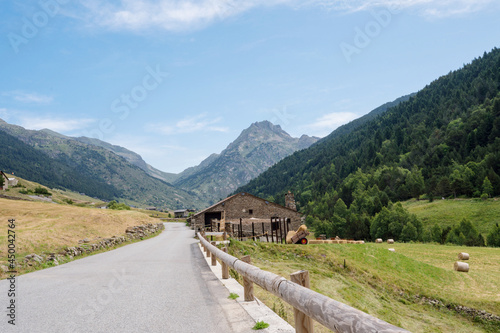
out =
column 329, row 122
column 28, row 97
column 179, row 15
column 199, row 123
column 55, row 124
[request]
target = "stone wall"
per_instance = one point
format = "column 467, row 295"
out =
column 87, row 246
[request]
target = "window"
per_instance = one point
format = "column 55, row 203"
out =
column 250, row 211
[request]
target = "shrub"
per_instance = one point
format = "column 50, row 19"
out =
column 117, row 206
column 42, row 191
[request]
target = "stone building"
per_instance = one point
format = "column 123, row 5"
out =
column 7, row 181
column 246, row 209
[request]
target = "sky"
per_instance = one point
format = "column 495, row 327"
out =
column 176, row 81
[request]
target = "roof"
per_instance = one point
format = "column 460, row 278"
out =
column 1, row 172
column 244, row 193
column 180, row 211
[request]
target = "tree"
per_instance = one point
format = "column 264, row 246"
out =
column 494, row 237
column 2, row 181
column 409, row 233
column 487, row 187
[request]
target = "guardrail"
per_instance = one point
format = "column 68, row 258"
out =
column 307, row 303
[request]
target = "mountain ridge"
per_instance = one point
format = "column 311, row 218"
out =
column 257, row 148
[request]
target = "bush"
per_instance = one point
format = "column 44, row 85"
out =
column 42, row 191
column 117, row 206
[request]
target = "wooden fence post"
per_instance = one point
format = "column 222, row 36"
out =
column 214, row 258
column 225, row 268
column 303, row 323
column 247, row 284
column 224, row 236
column 253, row 232
column 241, row 229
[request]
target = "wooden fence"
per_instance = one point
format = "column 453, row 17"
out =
column 307, row 304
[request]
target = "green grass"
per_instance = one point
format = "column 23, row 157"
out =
column 389, row 285
column 483, row 214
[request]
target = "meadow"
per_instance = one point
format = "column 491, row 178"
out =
column 397, row 287
column 484, row 214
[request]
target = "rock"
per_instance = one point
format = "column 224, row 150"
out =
column 4, row 269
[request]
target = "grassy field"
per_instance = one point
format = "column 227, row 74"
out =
column 483, row 214
column 48, row 227
column 390, row 285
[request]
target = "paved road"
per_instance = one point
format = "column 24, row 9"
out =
column 159, row 285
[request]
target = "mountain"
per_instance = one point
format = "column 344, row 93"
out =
column 254, row 151
column 131, row 157
column 442, row 142
column 56, row 160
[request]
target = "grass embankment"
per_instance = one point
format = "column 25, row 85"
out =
column 484, row 214
column 47, row 227
column 389, row 285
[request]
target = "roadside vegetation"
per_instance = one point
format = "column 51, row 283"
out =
column 415, row 288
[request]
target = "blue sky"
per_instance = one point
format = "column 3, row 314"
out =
column 178, row 80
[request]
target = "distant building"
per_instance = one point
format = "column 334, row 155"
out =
column 182, row 213
column 8, row 181
column 249, row 209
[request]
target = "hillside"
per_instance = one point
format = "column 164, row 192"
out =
column 414, row 288
column 131, row 157
column 254, row 151
column 43, row 227
column 448, row 213
column 443, row 142
column 58, row 161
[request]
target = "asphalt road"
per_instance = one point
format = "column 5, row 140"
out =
column 161, row 284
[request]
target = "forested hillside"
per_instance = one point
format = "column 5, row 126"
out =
column 28, row 162
column 442, row 142
column 58, row 161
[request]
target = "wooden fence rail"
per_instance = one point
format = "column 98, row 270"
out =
column 334, row 315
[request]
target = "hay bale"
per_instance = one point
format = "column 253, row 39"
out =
column 315, row 241
column 463, row 256
column 392, row 250
column 461, row 266
column 390, row 241
column 379, row 241
column 302, row 228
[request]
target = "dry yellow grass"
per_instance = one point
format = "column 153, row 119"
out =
column 48, row 227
